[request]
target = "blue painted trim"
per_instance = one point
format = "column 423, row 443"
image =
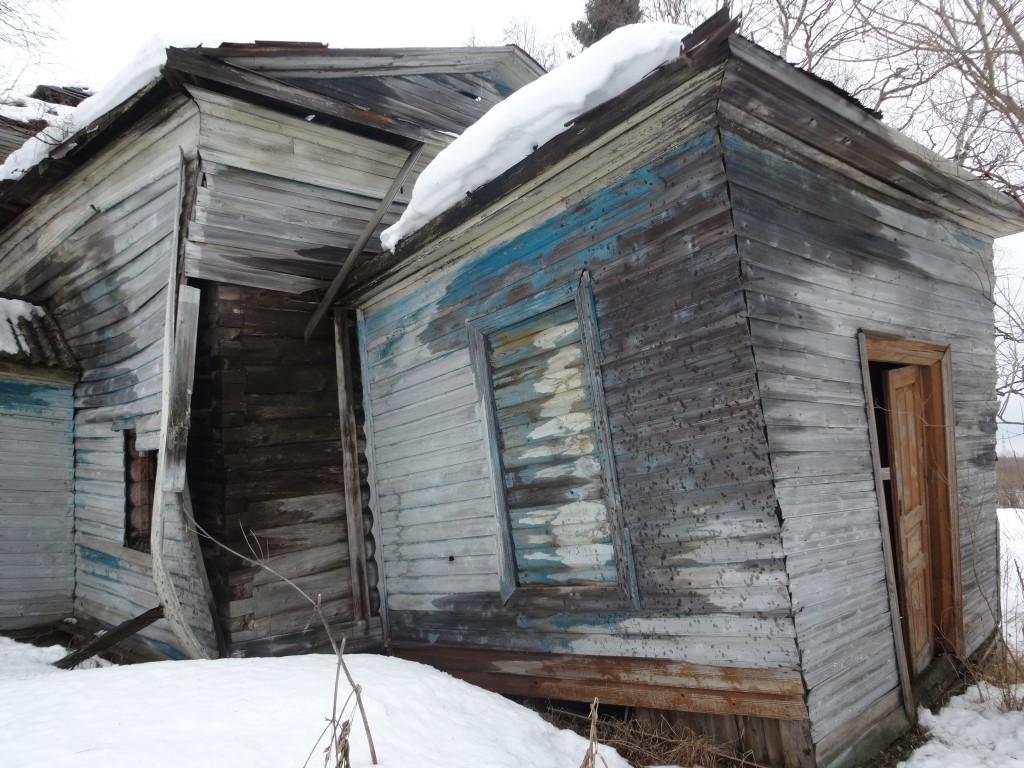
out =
column 593, row 217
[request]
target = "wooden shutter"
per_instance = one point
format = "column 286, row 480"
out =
column 551, row 469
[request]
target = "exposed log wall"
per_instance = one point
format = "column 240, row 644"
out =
column 265, row 467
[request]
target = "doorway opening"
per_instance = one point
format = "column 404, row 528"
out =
column 908, row 383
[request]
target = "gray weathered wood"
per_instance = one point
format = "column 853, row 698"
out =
column 353, row 501
column 357, row 249
column 108, row 639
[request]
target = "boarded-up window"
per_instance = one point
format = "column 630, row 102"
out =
column 140, row 487
column 554, row 491
column 537, row 370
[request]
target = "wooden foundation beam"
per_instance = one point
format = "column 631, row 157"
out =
column 653, row 683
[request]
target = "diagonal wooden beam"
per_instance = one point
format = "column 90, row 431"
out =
column 364, row 238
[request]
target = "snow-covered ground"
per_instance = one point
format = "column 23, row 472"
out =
column 271, row 712
column 261, row 712
column 1011, row 527
column 971, row 731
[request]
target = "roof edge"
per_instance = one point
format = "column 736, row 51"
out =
column 1001, row 211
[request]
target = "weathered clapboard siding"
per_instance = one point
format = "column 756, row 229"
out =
column 825, row 253
column 65, row 227
column 37, row 560
column 265, row 467
column 98, row 249
column 283, row 200
column 649, row 220
column 741, row 224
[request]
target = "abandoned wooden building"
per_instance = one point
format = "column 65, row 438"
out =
column 197, row 214
column 691, row 410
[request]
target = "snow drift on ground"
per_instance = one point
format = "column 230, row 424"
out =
column 261, row 712
column 971, row 731
column 534, row 114
column 1011, row 529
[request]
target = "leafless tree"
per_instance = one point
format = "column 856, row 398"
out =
column 1009, row 314
column 688, row 13
column 812, row 34
column 545, row 50
column 951, row 73
column 24, row 30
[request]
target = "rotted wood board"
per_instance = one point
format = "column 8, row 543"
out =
column 630, row 682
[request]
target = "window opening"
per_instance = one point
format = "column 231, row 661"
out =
column 140, row 489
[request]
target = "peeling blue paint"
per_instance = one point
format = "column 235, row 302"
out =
column 100, row 558
column 972, row 242
column 33, row 399
column 596, row 216
column 164, row 648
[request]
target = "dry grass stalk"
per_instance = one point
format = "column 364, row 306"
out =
column 261, row 560
column 341, row 759
column 1005, row 671
column 592, row 756
column 648, row 742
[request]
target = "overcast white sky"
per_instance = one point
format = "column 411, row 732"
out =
column 97, row 37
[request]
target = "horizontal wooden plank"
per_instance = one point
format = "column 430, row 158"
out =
column 629, row 682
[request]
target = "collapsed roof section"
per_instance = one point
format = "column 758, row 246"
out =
column 400, row 96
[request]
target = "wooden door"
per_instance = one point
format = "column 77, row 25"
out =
column 907, row 453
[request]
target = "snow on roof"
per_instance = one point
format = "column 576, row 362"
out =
column 29, row 336
column 143, row 69
column 536, row 113
column 12, row 312
column 25, row 109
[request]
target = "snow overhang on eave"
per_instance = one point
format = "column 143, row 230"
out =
column 703, row 49
column 214, row 69
column 944, row 187
column 17, row 195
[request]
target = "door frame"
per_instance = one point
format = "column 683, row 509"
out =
column 933, row 360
